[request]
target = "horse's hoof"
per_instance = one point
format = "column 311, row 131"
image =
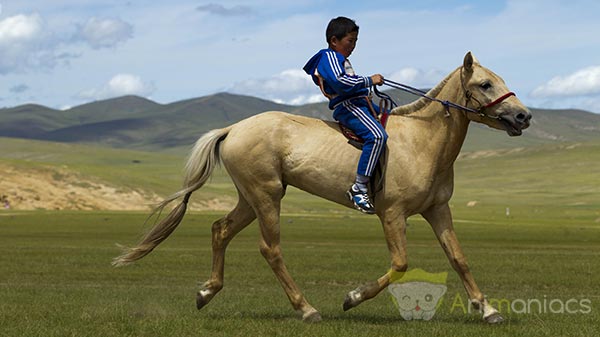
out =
column 200, row 302
column 352, row 299
column 348, row 303
column 202, row 298
column 495, row 318
column 312, row 317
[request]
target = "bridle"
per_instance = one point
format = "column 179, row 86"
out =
column 482, row 108
column 480, row 111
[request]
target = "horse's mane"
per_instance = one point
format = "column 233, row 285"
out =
column 421, row 102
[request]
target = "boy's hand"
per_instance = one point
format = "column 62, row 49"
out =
column 377, row 79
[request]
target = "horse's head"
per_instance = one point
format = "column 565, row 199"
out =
column 486, row 92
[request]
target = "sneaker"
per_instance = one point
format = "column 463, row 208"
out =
column 360, row 200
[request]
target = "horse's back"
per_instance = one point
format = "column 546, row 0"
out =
column 277, row 129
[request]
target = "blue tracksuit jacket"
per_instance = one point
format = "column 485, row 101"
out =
column 339, row 80
column 332, row 72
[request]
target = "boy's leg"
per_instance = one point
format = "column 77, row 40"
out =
column 359, row 119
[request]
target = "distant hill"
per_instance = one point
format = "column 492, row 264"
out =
column 131, row 121
column 111, row 109
column 138, row 123
column 29, row 121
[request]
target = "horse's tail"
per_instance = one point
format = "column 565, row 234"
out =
column 200, row 165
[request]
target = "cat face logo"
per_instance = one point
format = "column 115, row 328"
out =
column 417, row 293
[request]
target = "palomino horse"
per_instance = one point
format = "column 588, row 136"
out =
column 265, row 153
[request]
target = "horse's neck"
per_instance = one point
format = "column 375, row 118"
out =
column 439, row 136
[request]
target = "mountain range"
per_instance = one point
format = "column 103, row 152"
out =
column 138, row 123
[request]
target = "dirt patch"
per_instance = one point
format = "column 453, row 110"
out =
column 62, row 189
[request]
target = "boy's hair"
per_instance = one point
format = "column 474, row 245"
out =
column 339, row 27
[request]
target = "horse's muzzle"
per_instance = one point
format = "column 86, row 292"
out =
column 516, row 121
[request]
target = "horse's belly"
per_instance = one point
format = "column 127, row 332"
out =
column 324, row 170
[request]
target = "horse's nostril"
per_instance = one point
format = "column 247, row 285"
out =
column 522, row 117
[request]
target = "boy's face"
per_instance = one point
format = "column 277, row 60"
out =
column 346, row 45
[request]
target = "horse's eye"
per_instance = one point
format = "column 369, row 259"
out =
column 485, row 85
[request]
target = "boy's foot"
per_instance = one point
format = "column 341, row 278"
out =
column 360, row 200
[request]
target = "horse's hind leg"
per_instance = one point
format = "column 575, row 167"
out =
column 270, row 248
column 223, row 230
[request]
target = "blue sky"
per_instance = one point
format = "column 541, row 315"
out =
column 63, row 53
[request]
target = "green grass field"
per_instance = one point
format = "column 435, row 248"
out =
column 56, row 278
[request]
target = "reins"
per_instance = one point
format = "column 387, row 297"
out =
column 446, row 104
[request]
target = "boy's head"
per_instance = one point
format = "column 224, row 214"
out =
column 342, row 34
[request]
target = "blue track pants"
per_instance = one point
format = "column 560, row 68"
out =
column 355, row 115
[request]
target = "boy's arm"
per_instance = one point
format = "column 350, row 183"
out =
column 331, row 68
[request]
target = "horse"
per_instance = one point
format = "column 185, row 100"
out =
column 265, row 153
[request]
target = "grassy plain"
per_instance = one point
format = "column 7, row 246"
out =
column 528, row 220
column 56, row 278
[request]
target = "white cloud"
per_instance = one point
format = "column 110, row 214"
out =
column 19, row 28
column 292, row 86
column 28, row 42
column 580, row 83
column 24, row 43
column 119, row 85
column 105, row 33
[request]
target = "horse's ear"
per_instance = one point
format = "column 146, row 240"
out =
column 469, row 61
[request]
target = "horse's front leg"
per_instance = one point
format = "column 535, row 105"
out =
column 394, row 228
column 440, row 218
